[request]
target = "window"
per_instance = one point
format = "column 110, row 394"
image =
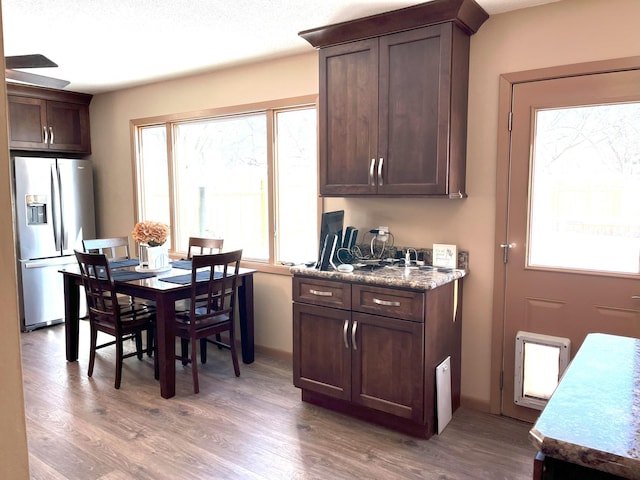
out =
column 585, row 189
column 248, row 176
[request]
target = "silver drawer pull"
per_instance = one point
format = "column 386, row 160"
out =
column 385, row 303
column 320, row 293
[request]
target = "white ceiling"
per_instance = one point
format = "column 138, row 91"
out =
column 105, row 45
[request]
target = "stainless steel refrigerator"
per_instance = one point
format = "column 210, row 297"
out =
column 54, row 212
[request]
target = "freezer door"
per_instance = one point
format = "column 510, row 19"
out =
column 42, row 291
column 37, row 210
column 76, row 201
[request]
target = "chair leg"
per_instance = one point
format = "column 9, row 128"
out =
column 218, row 339
column 203, row 350
column 119, row 350
column 150, row 335
column 139, row 350
column 184, row 350
column 194, row 365
column 92, row 350
column 234, row 354
column 156, row 364
column 151, row 340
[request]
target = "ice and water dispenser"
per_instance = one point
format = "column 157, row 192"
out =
column 36, row 209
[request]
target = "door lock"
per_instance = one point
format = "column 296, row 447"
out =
column 505, row 251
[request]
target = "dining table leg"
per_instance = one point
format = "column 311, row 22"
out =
column 166, row 341
column 71, row 316
column 245, row 296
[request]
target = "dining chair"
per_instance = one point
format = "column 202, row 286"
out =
column 212, row 312
column 107, row 315
column 117, row 248
column 201, row 246
column 204, row 246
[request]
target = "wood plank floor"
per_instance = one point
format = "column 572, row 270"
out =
column 251, row 427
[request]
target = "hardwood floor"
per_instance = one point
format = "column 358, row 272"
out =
column 251, row 427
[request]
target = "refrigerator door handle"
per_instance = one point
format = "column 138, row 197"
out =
column 56, row 208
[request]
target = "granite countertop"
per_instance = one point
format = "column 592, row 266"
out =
column 418, row 278
column 593, row 417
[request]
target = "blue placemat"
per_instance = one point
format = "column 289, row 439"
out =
column 127, row 262
column 182, row 264
column 186, row 279
column 128, row 275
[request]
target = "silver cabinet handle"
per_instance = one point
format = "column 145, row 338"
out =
column 51, row 135
column 46, row 134
column 385, row 303
column 380, row 181
column 320, row 293
column 371, row 171
column 354, row 328
column 345, row 328
column 635, row 297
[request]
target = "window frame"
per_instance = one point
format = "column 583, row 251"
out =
column 271, row 108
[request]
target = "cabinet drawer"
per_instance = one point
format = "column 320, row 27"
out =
column 322, row 292
column 388, row 302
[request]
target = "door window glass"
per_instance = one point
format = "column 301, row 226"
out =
column 585, row 189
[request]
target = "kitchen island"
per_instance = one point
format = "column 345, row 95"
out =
column 367, row 343
column 590, row 428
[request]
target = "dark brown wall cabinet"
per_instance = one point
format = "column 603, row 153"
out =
column 46, row 120
column 393, row 101
column 371, row 352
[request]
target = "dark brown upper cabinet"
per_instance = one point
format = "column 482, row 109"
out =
column 393, row 101
column 47, row 120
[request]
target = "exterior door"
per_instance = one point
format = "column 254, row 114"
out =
column 570, row 257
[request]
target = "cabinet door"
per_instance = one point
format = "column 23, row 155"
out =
column 69, row 127
column 415, row 72
column 387, row 365
column 348, row 118
column 321, row 350
column 27, row 120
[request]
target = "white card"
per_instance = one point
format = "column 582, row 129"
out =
column 445, row 255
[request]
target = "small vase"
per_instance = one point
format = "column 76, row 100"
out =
column 157, row 257
column 143, row 255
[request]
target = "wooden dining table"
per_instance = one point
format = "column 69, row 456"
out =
column 164, row 294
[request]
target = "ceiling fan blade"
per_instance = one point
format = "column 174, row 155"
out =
column 28, row 61
column 35, row 79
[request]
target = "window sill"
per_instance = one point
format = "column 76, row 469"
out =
column 267, row 267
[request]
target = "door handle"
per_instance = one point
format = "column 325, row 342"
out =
column 635, row 297
column 354, row 328
column 46, row 134
column 345, row 328
column 505, row 251
column 380, row 180
column 371, row 171
column 50, row 135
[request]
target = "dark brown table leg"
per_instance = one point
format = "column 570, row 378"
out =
column 71, row 316
column 166, row 338
column 245, row 294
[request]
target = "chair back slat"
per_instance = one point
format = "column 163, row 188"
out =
column 116, row 248
column 202, row 246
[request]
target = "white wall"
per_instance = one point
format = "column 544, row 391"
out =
column 570, row 31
